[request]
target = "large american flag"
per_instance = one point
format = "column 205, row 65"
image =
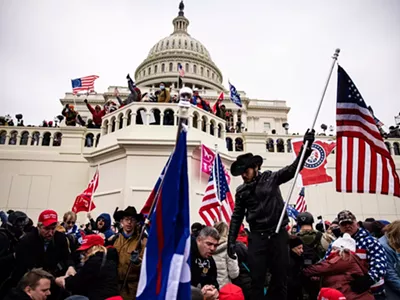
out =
column 83, row 84
column 217, row 204
column 301, row 205
column 363, row 163
column 181, row 70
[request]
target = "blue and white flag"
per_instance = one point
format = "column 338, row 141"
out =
column 292, row 212
column 235, row 97
column 165, row 272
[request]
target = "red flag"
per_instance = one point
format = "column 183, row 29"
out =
column 314, row 171
column 218, row 102
column 207, row 161
column 84, row 200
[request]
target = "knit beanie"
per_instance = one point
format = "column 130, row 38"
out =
column 231, row 292
column 294, row 241
column 345, row 242
column 330, row 294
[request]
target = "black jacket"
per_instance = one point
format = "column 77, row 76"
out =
column 97, row 279
column 17, row 294
column 294, row 284
column 31, row 253
column 244, row 279
column 261, row 201
column 8, row 242
column 204, row 270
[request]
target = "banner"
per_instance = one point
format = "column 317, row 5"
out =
column 207, row 161
column 84, row 200
column 314, row 171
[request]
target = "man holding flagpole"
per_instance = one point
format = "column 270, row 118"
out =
column 260, row 199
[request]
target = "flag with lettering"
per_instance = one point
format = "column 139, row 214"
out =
column 165, row 270
column 314, row 171
column 207, row 161
column 84, row 201
column 234, row 95
column 363, row 163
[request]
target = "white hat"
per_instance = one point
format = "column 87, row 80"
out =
column 345, row 242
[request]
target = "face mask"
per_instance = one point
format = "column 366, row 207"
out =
column 162, row 87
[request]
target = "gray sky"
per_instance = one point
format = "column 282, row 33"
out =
column 270, row 49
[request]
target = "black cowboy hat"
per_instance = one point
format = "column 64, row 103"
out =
column 130, row 211
column 245, row 161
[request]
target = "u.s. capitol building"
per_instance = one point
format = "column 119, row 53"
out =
column 48, row 167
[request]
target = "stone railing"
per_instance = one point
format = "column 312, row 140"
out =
column 161, row 114
column 77, row 137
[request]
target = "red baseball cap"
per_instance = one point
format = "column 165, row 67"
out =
column 91, row 240
column 330, row 294
column 48, row 217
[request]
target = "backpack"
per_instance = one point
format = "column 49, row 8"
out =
column 312, row 249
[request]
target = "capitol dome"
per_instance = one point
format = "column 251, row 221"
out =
column 161, row 64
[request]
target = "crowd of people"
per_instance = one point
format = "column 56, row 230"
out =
column 57, row 259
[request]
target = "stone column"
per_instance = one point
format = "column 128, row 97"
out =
column 109, row 129
column 244, row 119
column 133, row 117
column 116, row 124
column 51, row 141
column 29, row 140
column 208, row 124
column 18, row 141
column 235, row 118
column 161, row 119
column 124, row 121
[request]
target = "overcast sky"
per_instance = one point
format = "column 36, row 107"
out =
column 270, row 49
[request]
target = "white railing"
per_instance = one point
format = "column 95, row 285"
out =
column 161, row 114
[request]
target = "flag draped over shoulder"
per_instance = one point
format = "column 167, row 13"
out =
column 84, row 200
column 363, row 163
column 165, row 271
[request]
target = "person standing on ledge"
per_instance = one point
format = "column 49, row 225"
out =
column 260, row 199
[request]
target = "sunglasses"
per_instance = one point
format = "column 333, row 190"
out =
column 70, row 222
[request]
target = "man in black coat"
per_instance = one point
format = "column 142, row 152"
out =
column 260, row 199
column 45, row 248
column 203, row 267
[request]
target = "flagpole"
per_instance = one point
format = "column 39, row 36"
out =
column 334, row 57
column 216, row 176
column 201, row 165
column 91, row 197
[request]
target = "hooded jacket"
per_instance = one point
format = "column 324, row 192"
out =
column 106, row 230
column 337, row 273
column 227, row 268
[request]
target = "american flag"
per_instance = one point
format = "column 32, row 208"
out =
column 301, row 205
column 217, row 204
column 181, row 70
column 363, row 163
column 83, row 84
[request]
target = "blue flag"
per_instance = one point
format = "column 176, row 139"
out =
column 235, row 97
column 292, row 212
column 165, row 272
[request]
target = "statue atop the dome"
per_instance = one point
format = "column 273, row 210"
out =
column 181, row 8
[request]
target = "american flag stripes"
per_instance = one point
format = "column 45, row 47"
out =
column 83, row 84
column 301, row 205
column 181, row 70
column 363, row 163
column 217, row 204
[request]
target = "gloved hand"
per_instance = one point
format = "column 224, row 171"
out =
column 85, row 101
column 135, row 259
column 310, row 137
column 361, row 284
column 231, row 250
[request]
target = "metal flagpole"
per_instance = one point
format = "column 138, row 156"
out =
column 334, row 57
column 216, row 178
column 98, row 174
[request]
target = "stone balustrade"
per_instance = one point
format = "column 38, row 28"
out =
column 161, row 114
column 48, row 136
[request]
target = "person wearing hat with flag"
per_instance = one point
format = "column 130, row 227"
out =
column 126, row 243
column 260, row 199
column 97, row 279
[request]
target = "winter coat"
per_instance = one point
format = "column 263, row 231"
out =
column 392, row 277
column 227, row 268
column 70, row 116
column 164, row 96
column 106, row 230
column 17, row 294
column 244, row 278
column 31, row 253
column 370, row 250
column 203, row 270
column 124, row 247
column 96, row 115
column 8, row 242
column 337, row 273
column 261, row 200
column 97, row 279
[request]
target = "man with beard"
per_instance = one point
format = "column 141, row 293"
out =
column 260, row 199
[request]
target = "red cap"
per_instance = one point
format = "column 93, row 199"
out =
column 48, row 217
column 90, row 241
column 231, row 292
column 330, row 294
